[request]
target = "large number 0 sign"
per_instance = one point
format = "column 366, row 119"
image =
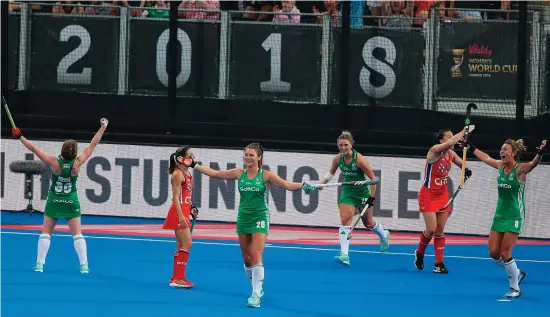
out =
column 196, row 66
column 384, row 67
column 72, row 54
column 275, row 61
column 184, row 71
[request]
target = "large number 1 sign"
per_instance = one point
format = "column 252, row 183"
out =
column 273, row 45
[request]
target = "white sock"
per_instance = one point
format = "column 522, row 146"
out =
column 43, row 247
column 500, row 263
column 257, row 278
column 344, row 242
column 248, row 271
column 379, row 230
column 80, row 247
column 512, row 271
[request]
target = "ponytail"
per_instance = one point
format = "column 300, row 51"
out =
column 173, row 162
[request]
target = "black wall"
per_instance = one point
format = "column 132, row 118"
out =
column 235, row 123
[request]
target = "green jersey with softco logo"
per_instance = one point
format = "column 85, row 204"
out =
column 62, row 195
column 510, row 210
column 353, row 195
column 253, row 214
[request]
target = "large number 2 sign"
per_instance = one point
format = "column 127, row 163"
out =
column 63, row 75
column 273, row 44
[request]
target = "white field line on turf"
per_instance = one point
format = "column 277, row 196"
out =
column 267, row 245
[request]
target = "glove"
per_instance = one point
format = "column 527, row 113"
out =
column 194, row 212
column 190, row 162
column 466, row 144
column 467, row 173
column 104, row 122
column 307, row 187
column 542, row 148
column 370, row 201
column 16, row 133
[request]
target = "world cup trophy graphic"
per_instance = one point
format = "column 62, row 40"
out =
column 458, row 59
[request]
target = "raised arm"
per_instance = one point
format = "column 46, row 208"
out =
column 438, row 148
column 332, row 170
column 484, row 157
column 48, row 159
column 525, row 168
column 364, row 165
column 87, row 152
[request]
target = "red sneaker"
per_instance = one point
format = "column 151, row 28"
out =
column 172, row 281
column 182, row 283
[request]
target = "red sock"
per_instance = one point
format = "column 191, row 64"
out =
column 424, row 242
column 181, row 264
column 439, row 244
column 175, row 270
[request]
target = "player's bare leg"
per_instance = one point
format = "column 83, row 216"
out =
column 181, row 257
column 373, row 225
column 346, row 217
column 244, row 242
column 256, row 250
column 44, row 242
column 79, row 244
column 500, row 249
column 430, row 220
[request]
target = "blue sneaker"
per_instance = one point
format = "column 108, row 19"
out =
column 342, row 258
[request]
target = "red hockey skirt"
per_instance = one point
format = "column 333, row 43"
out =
column 172, row 221
column 430, row 200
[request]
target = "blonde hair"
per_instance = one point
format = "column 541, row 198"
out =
column 346, row 135
column 518, row 147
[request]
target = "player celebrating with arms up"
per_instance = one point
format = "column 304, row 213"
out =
column 253, row 216
column 510, row 209
column 179, row 213
column 62, row 199
column 354, row 167
column 434, row 195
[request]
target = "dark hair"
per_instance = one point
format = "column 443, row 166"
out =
column 182, row 151
column 439, row 135
column 517, row 147
column 69, row 150
column 259, row 150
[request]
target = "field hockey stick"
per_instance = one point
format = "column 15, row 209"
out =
column 374, row 181
column 465, row 149
column 192, row 224
column 367, row 206
column 8, row 112
column 452, row 198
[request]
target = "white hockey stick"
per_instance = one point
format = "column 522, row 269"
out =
column 374, row 181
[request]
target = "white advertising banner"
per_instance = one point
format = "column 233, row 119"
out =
column 133, row 181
